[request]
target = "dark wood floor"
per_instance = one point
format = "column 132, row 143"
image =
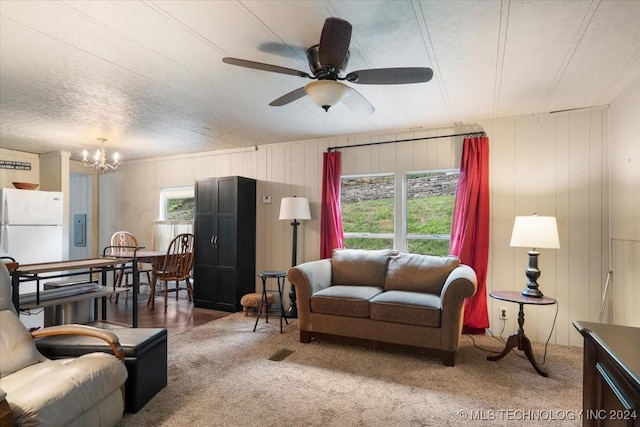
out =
column 181, row 315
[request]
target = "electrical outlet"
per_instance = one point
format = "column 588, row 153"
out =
column 502, row 313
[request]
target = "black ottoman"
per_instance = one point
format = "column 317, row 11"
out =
column 145, row 356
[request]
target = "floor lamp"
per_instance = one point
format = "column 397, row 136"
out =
column 534, row 232
column 294, row 208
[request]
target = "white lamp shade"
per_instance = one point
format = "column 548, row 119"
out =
column 327, row 93
column 535, row 232
column 294, row 208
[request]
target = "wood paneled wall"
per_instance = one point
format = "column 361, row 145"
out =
column 623, row 295
column 557, row 165
column 623, row 299
column 551, row 164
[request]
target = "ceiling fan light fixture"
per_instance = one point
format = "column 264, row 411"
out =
column 327, row 93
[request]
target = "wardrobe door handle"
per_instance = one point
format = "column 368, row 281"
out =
column 212, row 241
column 215, row 241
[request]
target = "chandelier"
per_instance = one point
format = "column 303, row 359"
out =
column 100, row 158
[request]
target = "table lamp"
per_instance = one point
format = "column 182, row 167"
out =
column 536, row 232
column 295, row 208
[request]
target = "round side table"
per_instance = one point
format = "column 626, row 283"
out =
column 519, row 340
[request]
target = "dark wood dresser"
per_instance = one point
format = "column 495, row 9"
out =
column 611, row 379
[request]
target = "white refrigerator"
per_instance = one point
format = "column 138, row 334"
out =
column 31, row 231
column 31, row 225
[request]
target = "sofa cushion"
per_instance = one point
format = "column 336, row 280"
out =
column 358, row 267
column 16, row 345
column 411, row 308
column 5, row 290
column 419, row 273
column 352, row 301
column 66, row 388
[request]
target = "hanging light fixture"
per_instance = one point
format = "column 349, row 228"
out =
column 100, row 158
column 327, row 93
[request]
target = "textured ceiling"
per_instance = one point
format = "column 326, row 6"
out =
column 149, row 76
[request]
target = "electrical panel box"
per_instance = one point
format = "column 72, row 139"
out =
column 80, row 230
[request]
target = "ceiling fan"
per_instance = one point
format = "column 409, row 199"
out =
column 328, row 61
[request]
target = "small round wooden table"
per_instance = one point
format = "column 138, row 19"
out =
column 519, row 339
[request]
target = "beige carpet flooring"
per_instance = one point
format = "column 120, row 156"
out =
column 223, row 374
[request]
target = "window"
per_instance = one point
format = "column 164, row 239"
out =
column 411, row 211
column 177, row 203
column 368, row 204
column 430, row 199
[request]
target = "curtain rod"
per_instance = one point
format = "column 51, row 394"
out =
column 482, row 133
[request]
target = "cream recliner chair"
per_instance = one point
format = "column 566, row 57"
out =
column 83, row 391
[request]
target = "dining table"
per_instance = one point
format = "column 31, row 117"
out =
column 141, row 254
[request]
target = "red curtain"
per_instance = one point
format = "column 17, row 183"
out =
column 470, row 229
column 331, row 235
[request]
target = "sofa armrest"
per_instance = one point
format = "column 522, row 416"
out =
column 461, row 284
column 89, row 331
column 309, row 278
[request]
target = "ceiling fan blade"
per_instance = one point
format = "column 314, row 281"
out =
column 294, row 95
column 264, row 67
column 282, row 49
column 390, row 76
column 358, row 103
column 334, row 42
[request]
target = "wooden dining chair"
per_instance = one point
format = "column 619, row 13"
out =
column 121, row 242
column 177, row 266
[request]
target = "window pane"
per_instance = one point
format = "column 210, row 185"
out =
column 429, row 247
column 177, row 203
column 363, row 243
column 180, row 209
column 368, row 204
column 430, row 200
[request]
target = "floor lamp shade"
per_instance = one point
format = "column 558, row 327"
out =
column 535, row 232
column 294, row 208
